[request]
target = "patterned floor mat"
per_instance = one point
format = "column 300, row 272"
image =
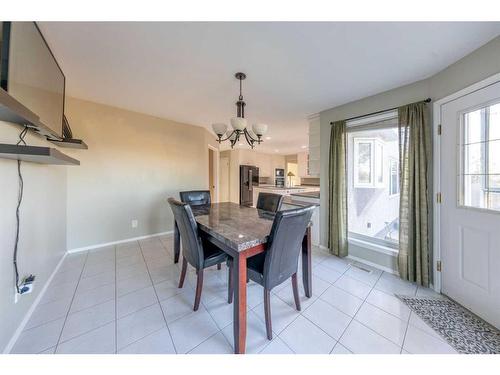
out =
column 463, row 330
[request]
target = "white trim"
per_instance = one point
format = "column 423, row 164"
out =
column 215, row 167
column 32, row 308
column 77, row 250
column 436, row 120
column 468, row 90
column 386, row 250
column 313, row 117
column 372, row 119
column 372, row 264
column 324, row 248
column 367, row 262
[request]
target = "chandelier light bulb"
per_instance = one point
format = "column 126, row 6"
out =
column 259, row 129
column 238, row 123
column 219, row 128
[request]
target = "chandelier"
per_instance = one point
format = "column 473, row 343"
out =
column 239, row 124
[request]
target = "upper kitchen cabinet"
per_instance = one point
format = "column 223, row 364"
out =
column 302, row 164
column 309, row 160
column 314, row 150
column 264, row 164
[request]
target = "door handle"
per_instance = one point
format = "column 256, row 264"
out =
column 250, row 180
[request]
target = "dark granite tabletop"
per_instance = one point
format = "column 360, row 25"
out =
column 238, row 227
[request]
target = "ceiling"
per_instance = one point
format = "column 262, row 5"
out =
column 185, row 71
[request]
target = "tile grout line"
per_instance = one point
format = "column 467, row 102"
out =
column 364, row 300
column 156, row 294
column 407, row 325
column 301, row 312
column 204, row 341
column 71, row 303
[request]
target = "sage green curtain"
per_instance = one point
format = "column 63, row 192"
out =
column 414, row 161
column 337, row 212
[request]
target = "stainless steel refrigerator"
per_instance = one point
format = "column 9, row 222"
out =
column 249, row 178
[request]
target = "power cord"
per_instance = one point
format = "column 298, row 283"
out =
column 19, row 201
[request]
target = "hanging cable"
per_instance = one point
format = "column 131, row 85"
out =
column 19, row 201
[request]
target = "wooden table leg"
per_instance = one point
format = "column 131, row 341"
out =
column 307, row 263
column 177, row 243
column 240, row 303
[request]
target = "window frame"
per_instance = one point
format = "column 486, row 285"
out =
column 385, row 246
column 374, row 163
column 485, row 127
column 391, row 161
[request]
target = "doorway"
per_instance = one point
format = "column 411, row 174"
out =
column 213, row 175
column 468, row 186
column 224, row 179
column 292, row 174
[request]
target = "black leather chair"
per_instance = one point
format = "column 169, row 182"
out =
column 195, row 197
column 269, row 202
column 280, row 260
column 197, row 252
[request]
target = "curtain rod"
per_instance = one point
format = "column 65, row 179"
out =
column 378, row 112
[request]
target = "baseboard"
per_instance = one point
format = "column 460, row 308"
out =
column 85, row 248
column 324, row 248
column 372, row 264
column 32, row 308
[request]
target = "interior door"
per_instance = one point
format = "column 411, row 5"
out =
column 470, row 210
column 224, row 179
column 211, row 174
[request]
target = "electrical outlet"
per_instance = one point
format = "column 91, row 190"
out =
column 26, row 287
column 135, row 223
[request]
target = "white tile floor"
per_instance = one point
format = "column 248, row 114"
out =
column 124, row 299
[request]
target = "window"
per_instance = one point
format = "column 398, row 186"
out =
column 393, row 177
column 373, row 182
column 368, row 163
column 480, row 158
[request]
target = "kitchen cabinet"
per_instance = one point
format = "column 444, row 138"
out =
column 302, row 164
column 314, row 146
column 266, row 163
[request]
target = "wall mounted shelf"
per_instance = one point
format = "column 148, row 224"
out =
column 36, row 154
column 70, row 143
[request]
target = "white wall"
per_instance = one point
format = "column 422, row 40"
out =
column 133, row 164
column 42, row 232
column 478, row 65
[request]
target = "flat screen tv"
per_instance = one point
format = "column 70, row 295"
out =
column 30, row 73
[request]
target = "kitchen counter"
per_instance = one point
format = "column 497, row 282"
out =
column 307, row 194
column 272, row 187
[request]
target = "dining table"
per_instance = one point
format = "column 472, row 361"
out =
column 241, row 232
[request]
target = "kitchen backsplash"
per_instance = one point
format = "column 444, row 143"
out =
column 313, row 181
column 265, row 181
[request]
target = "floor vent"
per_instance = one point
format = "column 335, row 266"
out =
column 362, row 268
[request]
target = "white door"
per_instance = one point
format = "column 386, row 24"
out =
column 470, row 210
column 224, row 179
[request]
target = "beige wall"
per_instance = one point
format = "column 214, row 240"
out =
column 133, row 164
column 42, row 232
column 478, row 65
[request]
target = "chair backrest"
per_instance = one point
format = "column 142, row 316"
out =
column 195, row 197
column 192, row 248
column 269, row 201
column 284, row 244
